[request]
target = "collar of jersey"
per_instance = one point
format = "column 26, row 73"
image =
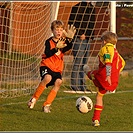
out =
column 109, row 44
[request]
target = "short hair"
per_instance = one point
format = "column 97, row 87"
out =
column 109, row 37
column 57, row 24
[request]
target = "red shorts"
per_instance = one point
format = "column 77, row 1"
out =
column 91, row 76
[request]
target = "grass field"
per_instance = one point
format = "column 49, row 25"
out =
column 116, row 116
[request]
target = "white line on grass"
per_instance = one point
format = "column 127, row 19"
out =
column 58, row 98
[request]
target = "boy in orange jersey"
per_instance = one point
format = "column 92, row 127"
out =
column 107, row 76
column 52, row 63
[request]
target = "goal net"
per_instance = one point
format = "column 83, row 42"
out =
column 24, row 27
column 91, row 19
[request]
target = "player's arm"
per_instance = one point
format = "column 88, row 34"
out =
column 48, row 51
column 68, row 47
column 108, row 73
column 108, row 55
column 107, row 59
column 70, row 32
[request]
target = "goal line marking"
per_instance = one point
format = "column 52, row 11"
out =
column 67, row 97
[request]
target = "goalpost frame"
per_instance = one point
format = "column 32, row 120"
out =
column 113, row 17
column 57, row 9
column 54, row 12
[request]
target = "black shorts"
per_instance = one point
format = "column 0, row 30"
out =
column 55, row 75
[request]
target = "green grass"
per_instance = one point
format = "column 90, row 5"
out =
column 116, row 116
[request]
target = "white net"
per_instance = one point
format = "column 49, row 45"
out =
column 24, row 27
column 91, row 19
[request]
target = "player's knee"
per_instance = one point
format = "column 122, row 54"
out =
column 58, row 82
column 99, row 94
column 47, row 79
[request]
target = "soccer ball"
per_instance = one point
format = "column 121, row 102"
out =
column 84, row 104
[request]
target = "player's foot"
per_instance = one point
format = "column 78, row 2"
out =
column 109, row 92
column 86, row 69
column 95, row 123
column 46, row 108
column 31, row 103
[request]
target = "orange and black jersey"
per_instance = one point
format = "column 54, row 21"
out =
column 52, row 57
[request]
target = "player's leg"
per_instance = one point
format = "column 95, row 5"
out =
column 46, row 78
column 99, row 98
column 42, row 86
column 98, row 107
column 39, row 91
column 86, row 69
column 57, row 81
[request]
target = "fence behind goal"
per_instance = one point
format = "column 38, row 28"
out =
column 24, row 27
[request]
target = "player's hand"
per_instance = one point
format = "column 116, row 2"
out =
column 61, row 43
column 108, row 79
column 71, row 30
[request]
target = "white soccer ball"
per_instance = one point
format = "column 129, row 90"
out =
column 84, row 104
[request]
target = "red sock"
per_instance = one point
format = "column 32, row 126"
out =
column 50, row 98
column 97, row 112
column 38, row 92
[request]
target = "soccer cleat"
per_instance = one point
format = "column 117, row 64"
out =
column 86, row 69
column 31, row 103
column 109, row 92
column 95, row 123
column 46, row 108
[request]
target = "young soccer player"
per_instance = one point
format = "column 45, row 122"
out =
column 107, row 76
column 52, row 63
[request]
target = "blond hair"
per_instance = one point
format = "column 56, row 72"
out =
column 109, row 37
column 57, row 24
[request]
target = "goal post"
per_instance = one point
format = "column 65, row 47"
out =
column 113, row 20
column 113, row 17
column 24, row 27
